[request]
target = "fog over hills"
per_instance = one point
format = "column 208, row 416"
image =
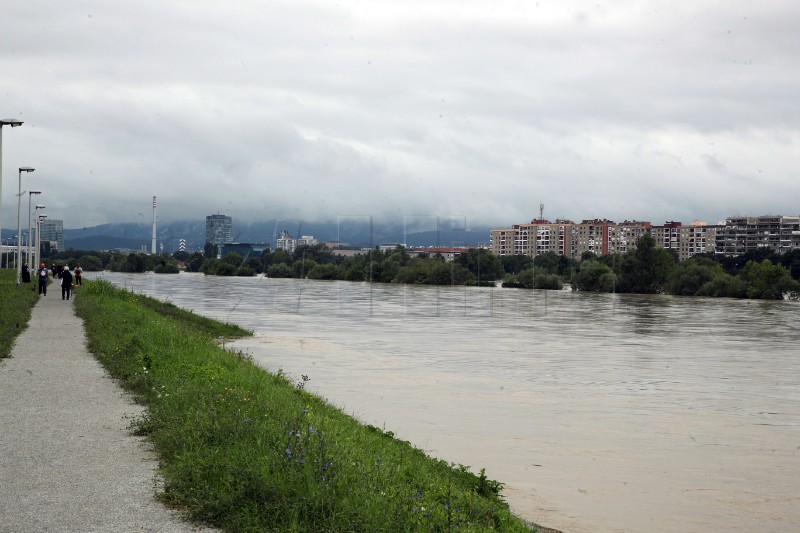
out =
column 361, row 232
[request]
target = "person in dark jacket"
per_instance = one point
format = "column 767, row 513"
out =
column 26, row 273
column 66, row 283
column 42, row 274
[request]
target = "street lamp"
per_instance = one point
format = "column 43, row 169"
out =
column 32, row 249
column 4, row 122
column 19, row 225
column 38, row 255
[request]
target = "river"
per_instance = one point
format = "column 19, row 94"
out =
column 599, row 412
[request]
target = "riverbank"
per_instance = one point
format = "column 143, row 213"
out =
column 67, row 460
column 243, row 449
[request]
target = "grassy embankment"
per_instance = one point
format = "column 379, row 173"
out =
column 15, row 310
column 246, row 450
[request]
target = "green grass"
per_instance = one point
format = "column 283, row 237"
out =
column 15, row 310
column 246, row 450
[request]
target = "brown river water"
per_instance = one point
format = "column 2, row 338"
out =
column 599, row 412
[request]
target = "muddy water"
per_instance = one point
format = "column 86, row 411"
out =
column 613, row 413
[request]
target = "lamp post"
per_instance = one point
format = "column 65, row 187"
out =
column 35, row 232
column 30, row 230
column 4, row 122
column 38, row 253
column 19, row 225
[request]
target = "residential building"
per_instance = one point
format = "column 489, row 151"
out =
column 589, row 236
column 307, row 240
column 668, row 236
column 744, row 234
column 285, row 242
column 602, row 237
column 622, row 237
column 289, row 244
column 52, row 231
column 219, row 229
column 697, row 238
column 564, row 237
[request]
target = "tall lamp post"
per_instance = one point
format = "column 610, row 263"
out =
column 4, row 122
column 30, row 230
column 19, row 222
column 34, row 231
column 37, row 256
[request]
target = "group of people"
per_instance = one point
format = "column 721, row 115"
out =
column 68, row 279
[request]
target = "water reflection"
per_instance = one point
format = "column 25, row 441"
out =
column 600, row 412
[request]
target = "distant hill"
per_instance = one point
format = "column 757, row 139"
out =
column 356, row 232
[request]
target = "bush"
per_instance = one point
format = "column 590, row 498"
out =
column 280, row 270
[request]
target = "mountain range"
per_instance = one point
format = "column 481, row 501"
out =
column 354, row 232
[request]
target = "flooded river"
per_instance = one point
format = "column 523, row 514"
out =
column 600, row 412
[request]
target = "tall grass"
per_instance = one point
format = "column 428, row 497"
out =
column 15, row 310
column 247, row 450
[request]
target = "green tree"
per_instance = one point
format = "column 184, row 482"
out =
column 767, row 281
column 689, row 277
column 443, row 273
column 593, row 276
column 194, row 263
column 514, row 264
column 280, row 270
column 277, row 257
column 90, row 263
column 136, row 263
column 645, row 270
column 327, row 271
column 483, row 264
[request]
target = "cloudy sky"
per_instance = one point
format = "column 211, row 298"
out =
column 317, row 109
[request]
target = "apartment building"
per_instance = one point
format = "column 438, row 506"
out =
column 737, row 236
column 697, row 238
column 564, row 237
column 622, row 237
column 289, row 244
column 744, row 234
column 686, row 240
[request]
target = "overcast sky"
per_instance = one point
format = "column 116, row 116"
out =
column 315, row 109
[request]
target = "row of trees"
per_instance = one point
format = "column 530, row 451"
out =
column 646, row 270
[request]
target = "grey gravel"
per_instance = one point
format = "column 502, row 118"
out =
column 68, row 462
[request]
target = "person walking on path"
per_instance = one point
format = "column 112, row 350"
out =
column 66, row 283
column 77, row 272
column 68, row 461
column 42, row 275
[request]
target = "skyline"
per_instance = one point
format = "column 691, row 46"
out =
column 311, row 110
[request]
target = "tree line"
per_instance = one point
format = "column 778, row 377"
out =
column 647, row 269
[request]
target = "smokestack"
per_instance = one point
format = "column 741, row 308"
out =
column 153, row 248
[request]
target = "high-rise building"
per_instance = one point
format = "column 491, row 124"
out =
column 52, row 231
column 219, row 229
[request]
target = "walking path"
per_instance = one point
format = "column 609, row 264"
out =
column 67, row 460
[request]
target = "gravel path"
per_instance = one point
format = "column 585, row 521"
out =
column 67, row 460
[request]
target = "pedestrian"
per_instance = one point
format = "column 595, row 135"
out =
column 66, row 283
column 77, row 272
column 26, row 273
column 42, row 274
